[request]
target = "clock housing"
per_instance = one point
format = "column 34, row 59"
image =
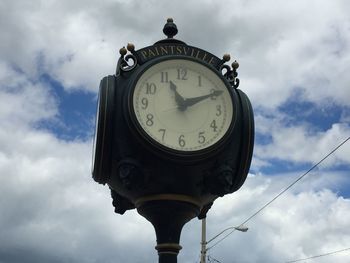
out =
column 173, row 133
column 202, row 146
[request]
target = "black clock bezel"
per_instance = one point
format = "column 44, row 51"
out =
column 102, row 150
column 163, row 151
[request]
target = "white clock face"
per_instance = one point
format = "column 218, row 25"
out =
column 183, row 105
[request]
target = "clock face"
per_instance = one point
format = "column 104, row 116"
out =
column 183, row 105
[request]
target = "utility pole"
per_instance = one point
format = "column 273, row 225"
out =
column 204, row 241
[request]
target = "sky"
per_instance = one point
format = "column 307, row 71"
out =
column 294, row 61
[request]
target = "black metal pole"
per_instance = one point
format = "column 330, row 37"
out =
column 168, row 217
column 167, row 253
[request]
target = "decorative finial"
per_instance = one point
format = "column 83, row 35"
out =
column 226, row 57
column 123, row 51
column 130, row 47
column 235, row 65
column 170, row 29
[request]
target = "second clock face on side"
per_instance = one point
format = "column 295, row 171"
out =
column 183, row 105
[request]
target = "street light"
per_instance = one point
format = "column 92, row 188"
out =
column 204, row 243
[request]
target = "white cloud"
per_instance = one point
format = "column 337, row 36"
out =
column 301, row 143
column 52, row 201
column 297, row 225
column 23, row 100
column 281, row 47
column 52, row 210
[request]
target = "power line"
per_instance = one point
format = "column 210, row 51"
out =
column 318, row 256
column 283, row 191
column 211, row 259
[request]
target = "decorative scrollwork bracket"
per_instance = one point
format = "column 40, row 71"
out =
column 126, row 62
column 230, row 73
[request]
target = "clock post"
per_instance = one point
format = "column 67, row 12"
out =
column 173, row 133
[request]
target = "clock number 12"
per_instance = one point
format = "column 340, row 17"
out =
column 182, row 73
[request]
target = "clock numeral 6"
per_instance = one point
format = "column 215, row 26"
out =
column 182, row 142
column 149, row 121
column 151, row 88
column 201, row 138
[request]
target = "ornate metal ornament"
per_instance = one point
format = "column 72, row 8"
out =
column 231, row 74
column 126, row 62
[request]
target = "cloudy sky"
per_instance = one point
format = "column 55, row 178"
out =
column 294, row 65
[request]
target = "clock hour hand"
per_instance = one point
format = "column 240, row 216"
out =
column 180, row 101
column 192, row 101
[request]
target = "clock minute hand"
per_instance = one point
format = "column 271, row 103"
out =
column 192, row 101
column 180, row 101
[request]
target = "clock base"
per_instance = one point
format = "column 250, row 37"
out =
column 168, row 217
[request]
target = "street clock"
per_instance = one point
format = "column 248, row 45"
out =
column 173, row 133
